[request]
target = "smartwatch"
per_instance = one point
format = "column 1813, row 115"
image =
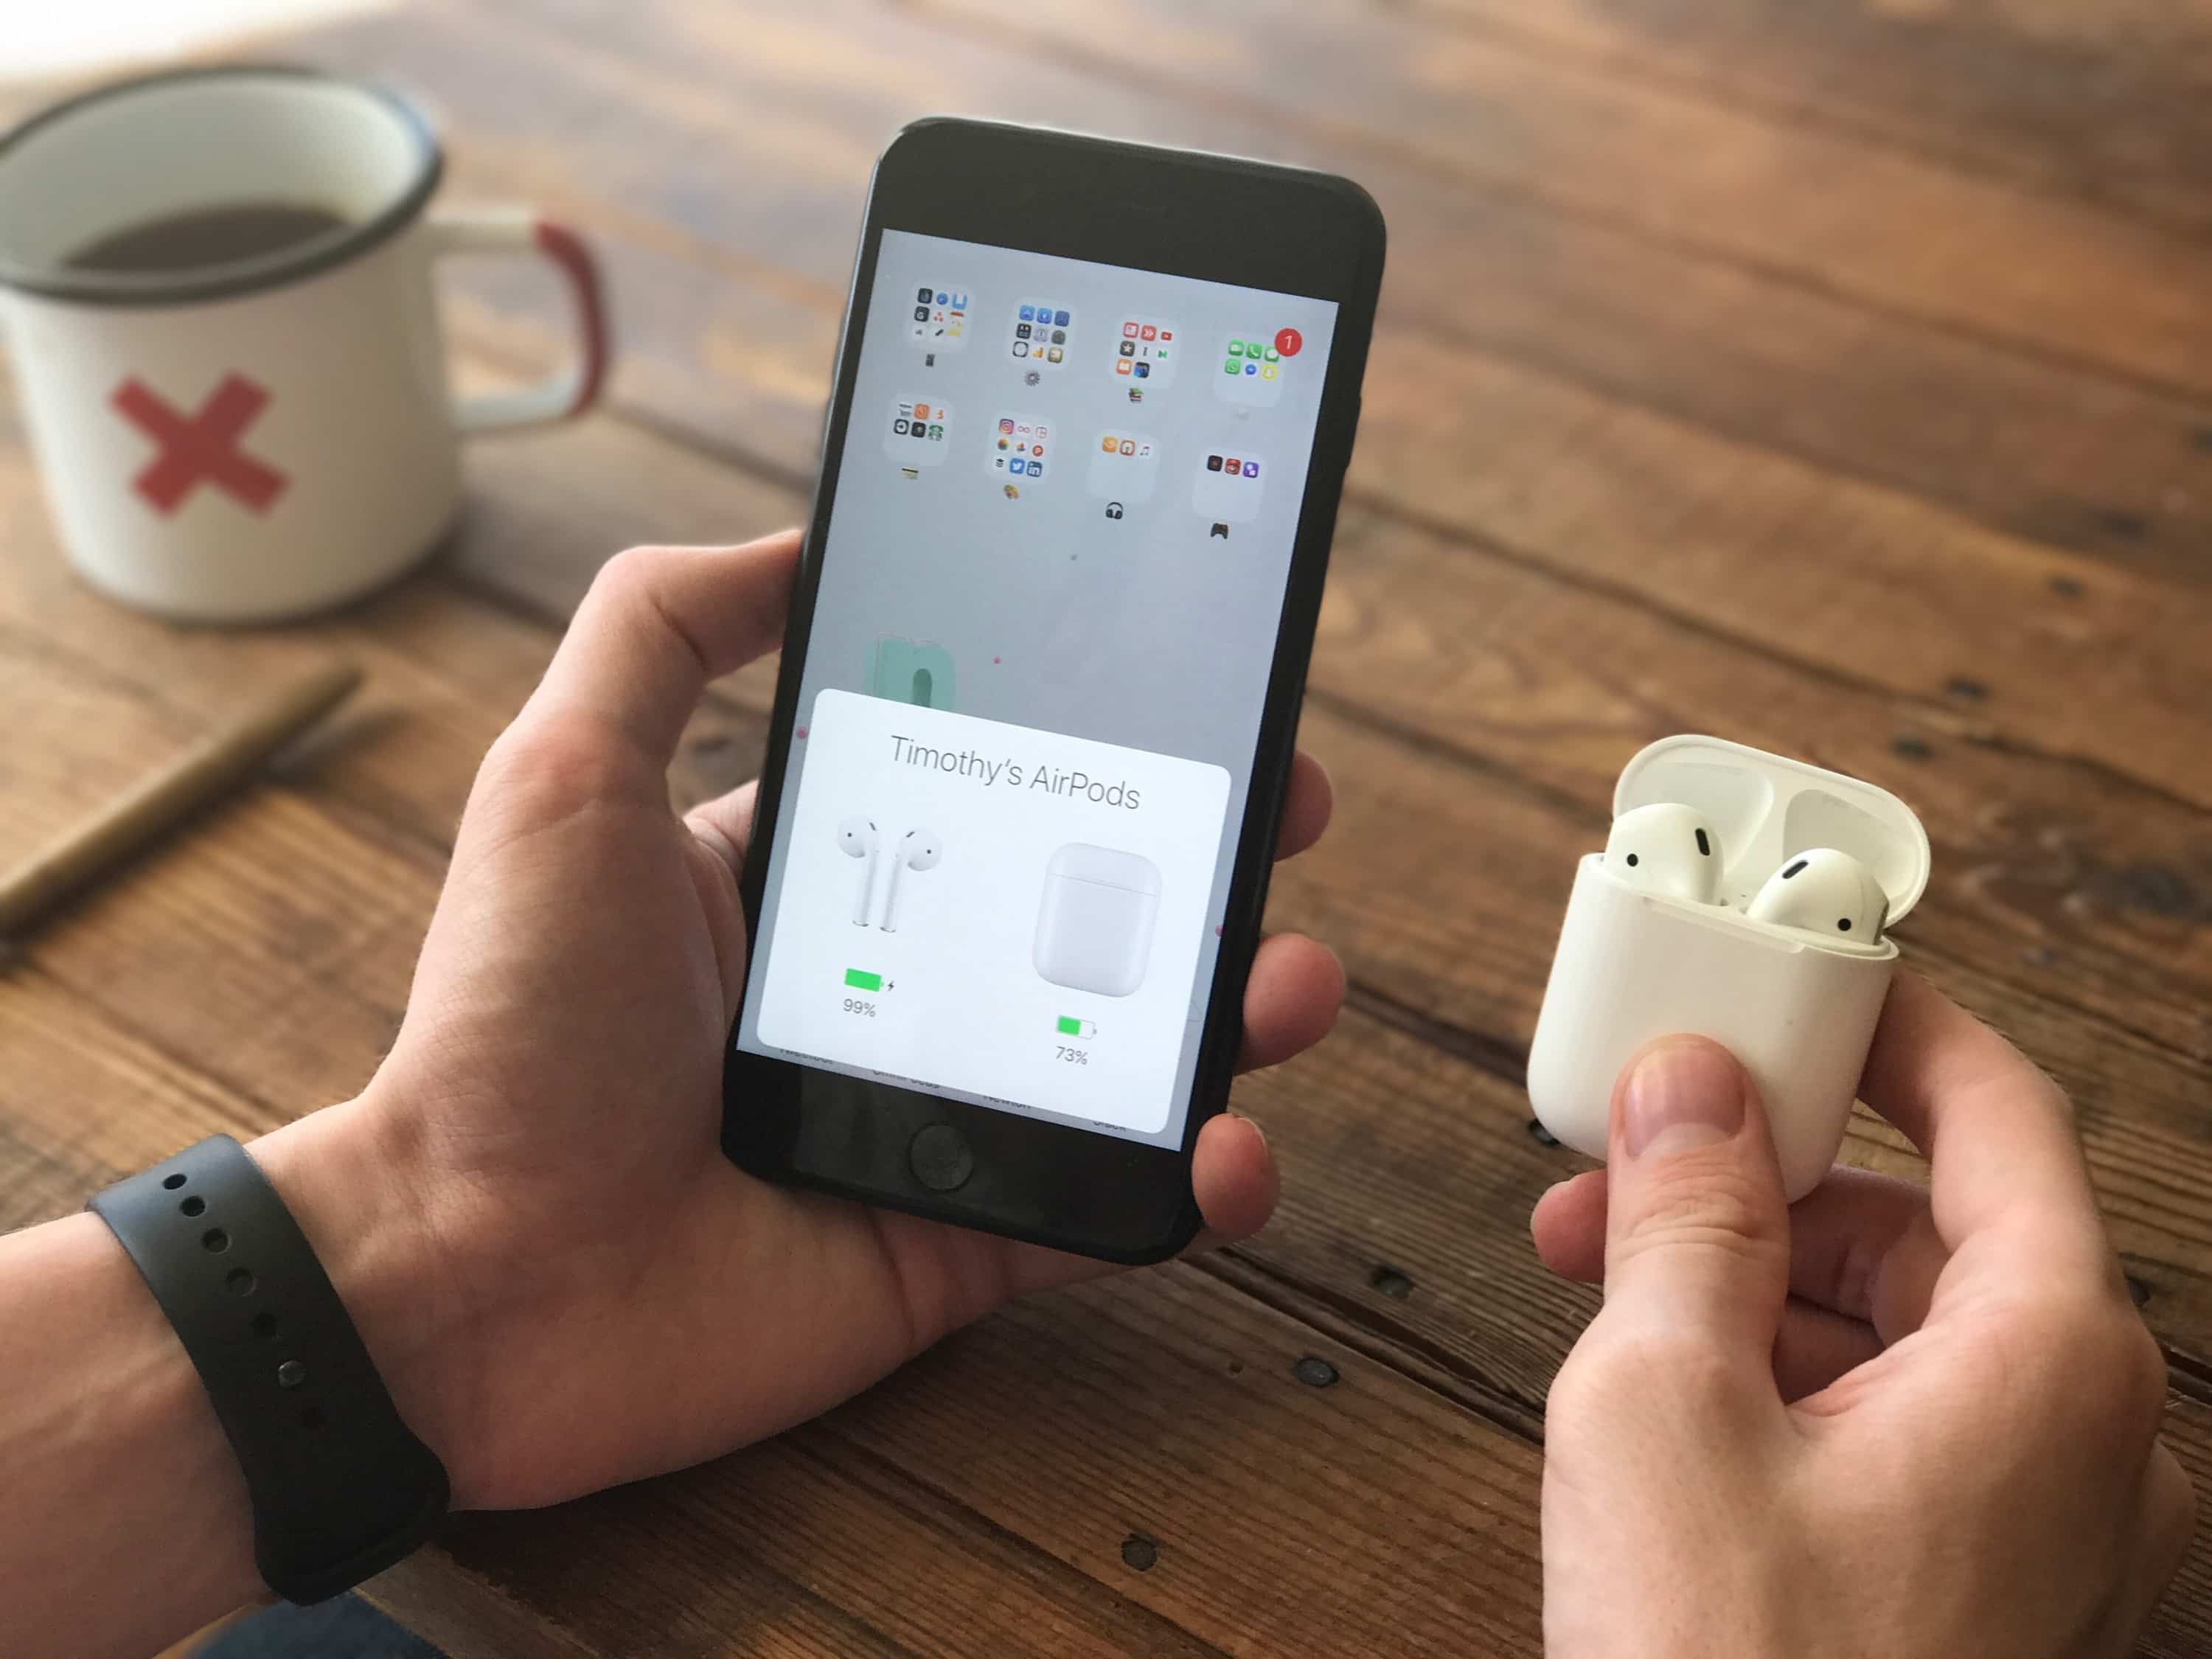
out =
column 341, row 1487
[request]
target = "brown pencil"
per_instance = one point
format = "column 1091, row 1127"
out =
column 158, row 803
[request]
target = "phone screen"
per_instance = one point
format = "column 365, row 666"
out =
column 1055, row 563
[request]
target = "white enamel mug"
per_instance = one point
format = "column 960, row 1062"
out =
column 243, row 441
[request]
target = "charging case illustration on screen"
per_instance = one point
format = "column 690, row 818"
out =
column 906, row 672
column 1717, row 953
column 1094, row 928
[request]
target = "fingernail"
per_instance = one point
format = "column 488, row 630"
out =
column 1680, row 1096
column 1253, row 1125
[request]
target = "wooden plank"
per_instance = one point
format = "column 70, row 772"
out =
column 1893, row 230
column 1501, row 733
column 724, row 258
column 1776, row 552
column 2106, row 103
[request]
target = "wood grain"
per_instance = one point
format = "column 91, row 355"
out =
column 719, row 271
column 1831, row 374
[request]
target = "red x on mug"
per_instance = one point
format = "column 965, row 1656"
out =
column 216, row 285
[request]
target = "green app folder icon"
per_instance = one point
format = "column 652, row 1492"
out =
column 904, row 671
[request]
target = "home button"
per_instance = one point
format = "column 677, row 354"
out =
column 940, row 1159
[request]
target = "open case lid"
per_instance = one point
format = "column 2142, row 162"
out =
column 1765, row 807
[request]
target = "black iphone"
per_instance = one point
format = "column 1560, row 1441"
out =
column 1093, row 407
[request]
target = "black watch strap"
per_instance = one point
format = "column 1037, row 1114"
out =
column 341, row 1488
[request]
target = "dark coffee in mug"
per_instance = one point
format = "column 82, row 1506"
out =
column 219, row 235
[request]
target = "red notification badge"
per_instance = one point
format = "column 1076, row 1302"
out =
column 1288, row 340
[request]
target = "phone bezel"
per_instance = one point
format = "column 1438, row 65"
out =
column 1186, row 213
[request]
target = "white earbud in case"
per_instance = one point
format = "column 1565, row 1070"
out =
column 1754, row 914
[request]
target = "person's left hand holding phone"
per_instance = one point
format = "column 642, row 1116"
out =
column 564, row 1281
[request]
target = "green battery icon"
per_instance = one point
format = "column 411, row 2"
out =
column 861, row 981
column 1077, row 1028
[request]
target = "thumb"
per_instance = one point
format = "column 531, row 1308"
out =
column 1696, row 1232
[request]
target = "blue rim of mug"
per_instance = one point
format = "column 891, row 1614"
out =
column 238, row 276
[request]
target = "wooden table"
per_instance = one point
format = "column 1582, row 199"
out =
column 1836, row 377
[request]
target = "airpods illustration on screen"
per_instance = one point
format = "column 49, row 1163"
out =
column 857, row 836
column 1823, row 891
column 1742, row 897
column 918, row 849
column 1666, row 849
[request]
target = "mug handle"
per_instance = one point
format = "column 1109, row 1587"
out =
column 508, row 230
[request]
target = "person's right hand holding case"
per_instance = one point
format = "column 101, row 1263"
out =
column 1915, row 1425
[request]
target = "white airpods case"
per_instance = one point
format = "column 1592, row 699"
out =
column 1094, row 930
column 1798, row 1010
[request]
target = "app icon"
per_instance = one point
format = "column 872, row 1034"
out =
column 1054, row 354
column 906, row 671
column 1143, row 341
column 914, row 435
column 939, row 321
column 1021, row 331
column 1226, row 489
column 1124, row 468
column 1059, row 337
column 1021, row 348
column 1113, row 509
column 1141, row 370
column 1251, row 371
column 1289, row 342
column 1017, row 448
column 1027, row 313
column 1059, row 320
column 1121, row 364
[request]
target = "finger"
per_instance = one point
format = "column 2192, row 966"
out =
column 2168, row 1526
column 1813, row 1347
column 659, row 624
column 1697, row 1241
column 1864, row 1246
column 1291, row 1000
column 726, row 823
column 1306, row 806
column 1232, row 1176
column 1568, row 1225
column 1998, row 1134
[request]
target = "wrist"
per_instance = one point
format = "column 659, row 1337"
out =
column 358, row 1186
